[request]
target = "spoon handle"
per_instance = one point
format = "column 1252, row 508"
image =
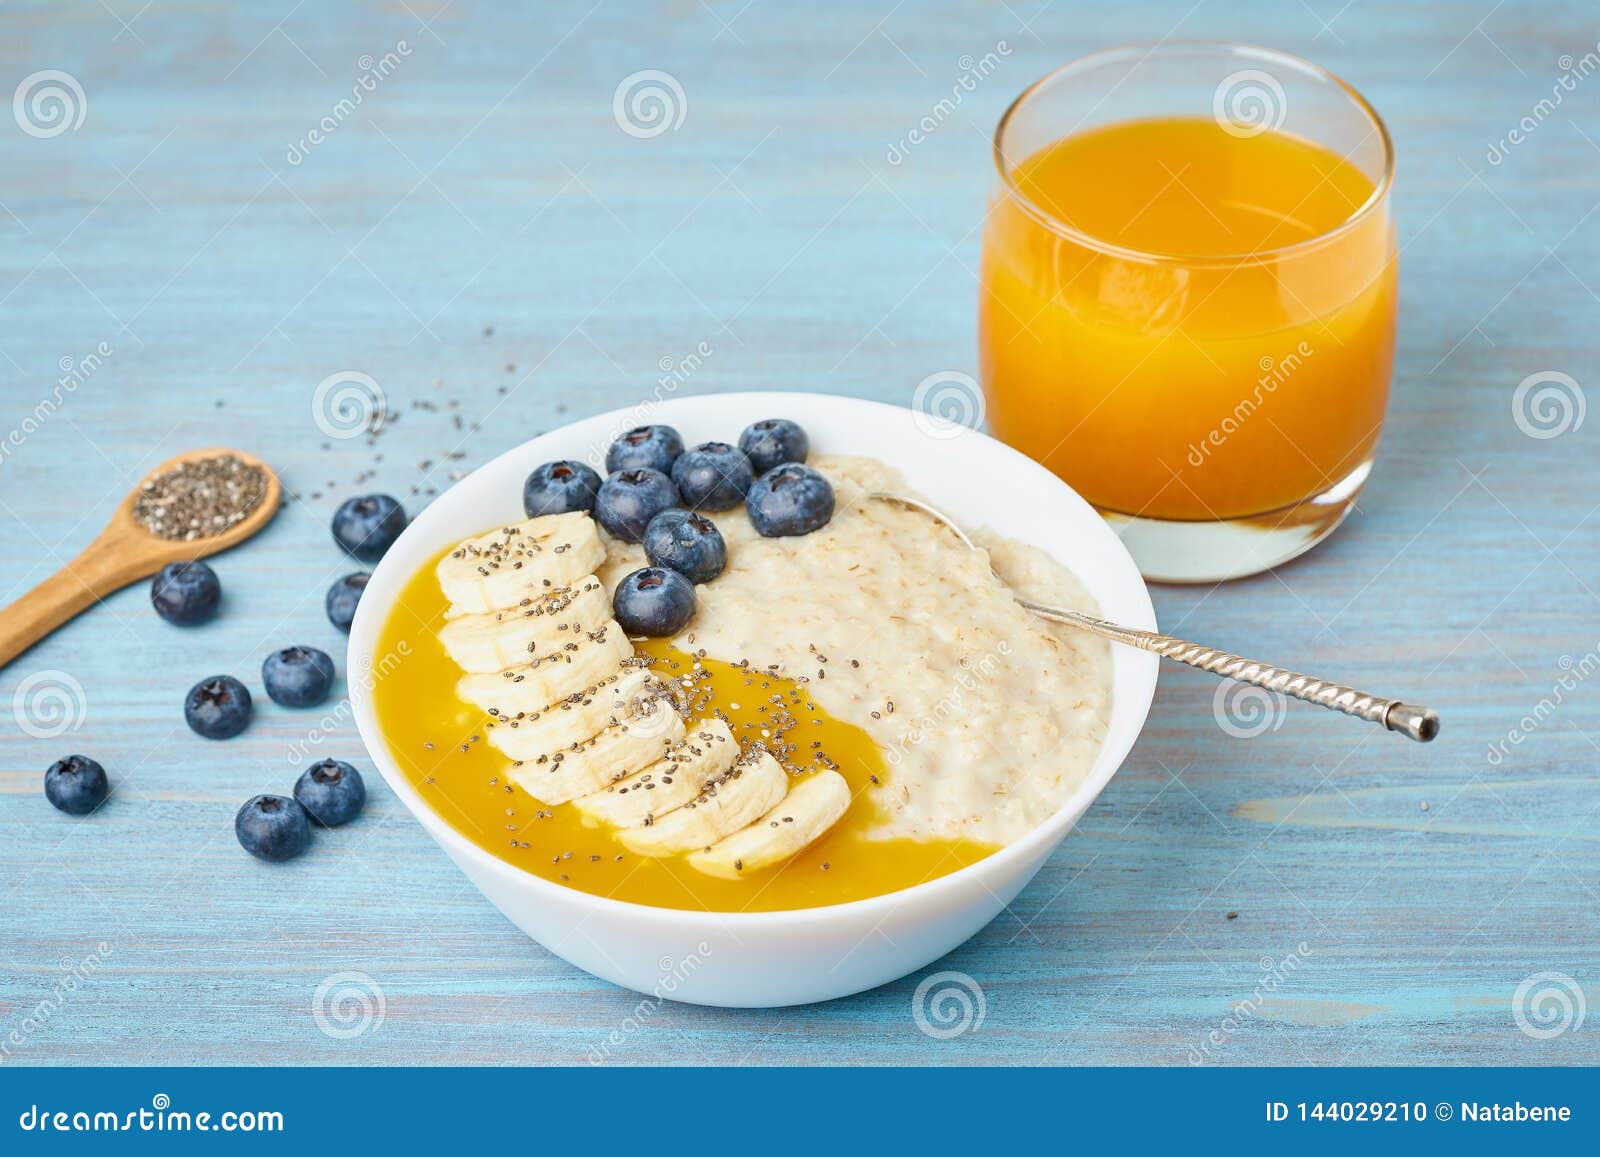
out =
column 100, row 570
column 1415, row 722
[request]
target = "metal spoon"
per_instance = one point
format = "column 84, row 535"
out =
column 1419, row 723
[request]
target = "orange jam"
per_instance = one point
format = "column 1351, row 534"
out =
column 441, row 745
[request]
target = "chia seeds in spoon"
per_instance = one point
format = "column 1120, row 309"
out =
column 199, row 499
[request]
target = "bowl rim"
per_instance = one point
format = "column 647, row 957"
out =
column 1038, row 842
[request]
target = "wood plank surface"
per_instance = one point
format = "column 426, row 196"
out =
column 478, row 235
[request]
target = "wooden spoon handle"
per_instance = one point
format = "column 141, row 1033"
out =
column 103, row 568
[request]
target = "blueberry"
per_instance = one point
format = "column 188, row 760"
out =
column 793, row 499
column 367, row 526
column 557, row 487
column 343, row 597
column 218, row 707
column 688, row 543
column 185, row 593
column 653, row 601
column 629, row 499
column 649, row 447
column 712, row 476
column 297, row 676
column 76, row 785
column 772, row 442
column 331, row 792
column 273, row 828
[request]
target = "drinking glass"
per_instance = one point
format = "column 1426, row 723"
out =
column 1219, row 402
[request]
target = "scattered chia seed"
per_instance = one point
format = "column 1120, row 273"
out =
column 200, row 499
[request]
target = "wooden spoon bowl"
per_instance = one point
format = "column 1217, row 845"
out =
column 125, row 552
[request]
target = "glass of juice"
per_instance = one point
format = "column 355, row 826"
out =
column 1187, row 298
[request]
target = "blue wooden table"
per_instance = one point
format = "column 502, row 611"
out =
column 438, row 195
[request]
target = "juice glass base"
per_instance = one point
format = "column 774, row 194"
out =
column 1216, row 551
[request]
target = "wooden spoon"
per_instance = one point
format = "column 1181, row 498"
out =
column 124, row 552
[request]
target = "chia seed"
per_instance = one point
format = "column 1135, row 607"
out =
column 200, row 499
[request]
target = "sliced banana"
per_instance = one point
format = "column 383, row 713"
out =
column 499, row 569
column 626, row 696
column 584, row 768
column 812, row 807
column 492, row 642
column 548, row 678
column 704, row 756
column 751, row 788
column 586, row 723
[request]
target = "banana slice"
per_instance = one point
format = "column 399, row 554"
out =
column 493, row 642
column 809, row 810
column 629, row 695
column 584, row 768
column 549, row 678
column 751, row 788
column 499, row 569
column 704, row 756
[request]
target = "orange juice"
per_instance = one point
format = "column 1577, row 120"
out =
column 1186, row 322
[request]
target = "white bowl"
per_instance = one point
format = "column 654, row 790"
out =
column 764, row 959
